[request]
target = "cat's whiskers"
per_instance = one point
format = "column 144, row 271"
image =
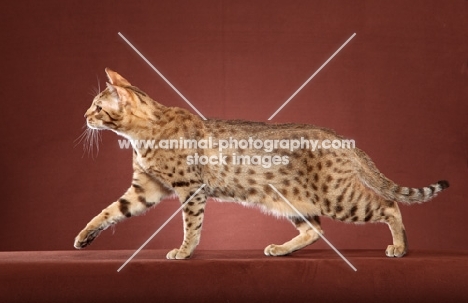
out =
column 93, row 139
column 81, row 137
column 90, row 138
column 95, row 90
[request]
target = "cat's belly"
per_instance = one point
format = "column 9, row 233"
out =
column 272, row 204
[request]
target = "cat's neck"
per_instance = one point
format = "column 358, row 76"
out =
column 142, row 124
column 164, row 123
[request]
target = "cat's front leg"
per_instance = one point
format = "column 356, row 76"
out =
column 193, row 214
column 144, row 193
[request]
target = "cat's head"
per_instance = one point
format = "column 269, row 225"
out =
column 119, row 107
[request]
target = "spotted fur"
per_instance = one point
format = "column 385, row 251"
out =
column 342, row 184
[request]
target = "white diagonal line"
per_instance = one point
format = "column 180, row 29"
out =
column 313, row 227
column 161, row 75
column 308, row 80
column 159, row 229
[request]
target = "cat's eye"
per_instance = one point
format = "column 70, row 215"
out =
column 98, row 108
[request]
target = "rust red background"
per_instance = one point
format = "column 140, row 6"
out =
column 399, row 88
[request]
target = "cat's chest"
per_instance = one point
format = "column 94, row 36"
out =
column 143, row 162
column 163, row 165
column 152, row 164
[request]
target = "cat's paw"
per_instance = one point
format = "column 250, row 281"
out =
column 177, row 254
column 394, row 251
column 276, row 250
column 85, row 237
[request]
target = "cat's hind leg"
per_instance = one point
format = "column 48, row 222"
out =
column 395, row 223
column 306, row 236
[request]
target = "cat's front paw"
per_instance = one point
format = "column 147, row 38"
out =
column 177, row 254
column 394, row 251
column 276, row 250
column 85, row 237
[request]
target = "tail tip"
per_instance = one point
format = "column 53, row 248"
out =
column 443, row 184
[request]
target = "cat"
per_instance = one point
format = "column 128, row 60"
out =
column 340, row 183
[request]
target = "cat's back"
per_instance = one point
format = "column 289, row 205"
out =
column 221, row 129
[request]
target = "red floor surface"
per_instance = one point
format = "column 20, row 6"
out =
column 232, row 276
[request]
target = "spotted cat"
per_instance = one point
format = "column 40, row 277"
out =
column 340, row 183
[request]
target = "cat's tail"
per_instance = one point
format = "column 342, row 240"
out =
column 392, row 191
column 414, row 195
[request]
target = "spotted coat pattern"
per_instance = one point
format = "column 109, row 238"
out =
column 342, row 184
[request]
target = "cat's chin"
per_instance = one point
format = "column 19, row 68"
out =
column 95, row 127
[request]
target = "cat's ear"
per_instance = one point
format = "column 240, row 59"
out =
column 120, row 95
column 116, row 79
column 118, row 91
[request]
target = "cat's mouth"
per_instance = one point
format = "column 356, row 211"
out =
column 93, row 125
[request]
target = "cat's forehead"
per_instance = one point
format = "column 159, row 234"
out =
column 101, row 95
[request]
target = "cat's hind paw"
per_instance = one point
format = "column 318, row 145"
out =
column 394, row 251
column 177, row 254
